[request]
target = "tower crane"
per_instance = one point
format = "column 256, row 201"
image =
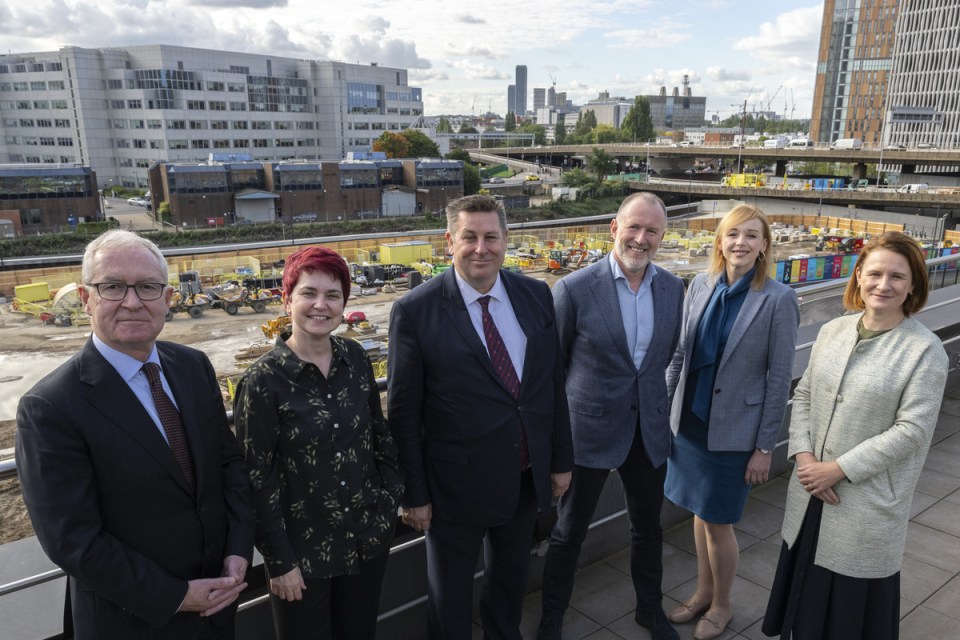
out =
column 773, row 97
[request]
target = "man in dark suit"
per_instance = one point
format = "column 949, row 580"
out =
column 619, row 321
column 477, row 409
column 135, row 485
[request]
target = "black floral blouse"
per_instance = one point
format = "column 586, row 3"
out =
column 322, row 462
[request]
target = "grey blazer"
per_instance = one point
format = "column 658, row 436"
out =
column 605, row 391
column 755, row 371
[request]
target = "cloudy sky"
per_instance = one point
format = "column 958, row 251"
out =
column 464, row 54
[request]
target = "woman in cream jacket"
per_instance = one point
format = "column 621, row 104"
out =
column 863, row 418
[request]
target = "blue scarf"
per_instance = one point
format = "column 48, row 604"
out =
column 712, row 333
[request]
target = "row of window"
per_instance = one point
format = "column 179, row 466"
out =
column 33, row 67
column 36, row 85
column 10, row 105
column 256, row 143
column 19, row 158
column 12, row 123
column 42, row 141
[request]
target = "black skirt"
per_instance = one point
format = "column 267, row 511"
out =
column 808, row 602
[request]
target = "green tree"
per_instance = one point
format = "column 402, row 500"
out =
column 466, row 128
column 637, row 126
column 560, row 130
column 538, row 130
column 509, row 122
column 420, row 145
column 392, row 144
column 444, row 126
column 586, row 122
column 459, row 154
column 163, row 210
column 576, row 178
column 471, row 179
column 603, row 134
column 600, row 163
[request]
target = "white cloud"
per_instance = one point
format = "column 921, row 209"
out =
column 468, row 50
column 479, row 71
column 797, row 30
column 719, row 74
column 468, row 19
column 652, row 38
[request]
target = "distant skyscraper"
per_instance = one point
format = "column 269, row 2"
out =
column 521, row 85
column 512, row 99
column 539, row 98
column 561, row 99
column 551, row 97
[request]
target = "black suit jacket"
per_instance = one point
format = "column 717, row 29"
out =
column 109, row 503
column 455, row 423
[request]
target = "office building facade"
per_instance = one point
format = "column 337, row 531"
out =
column 539, row 98
column 678, row 110
column 512, row 99
column 119, row 110
column 888, row 73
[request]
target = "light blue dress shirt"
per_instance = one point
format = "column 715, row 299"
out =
column 131, row 370
column 503, row 316
column 636, row 309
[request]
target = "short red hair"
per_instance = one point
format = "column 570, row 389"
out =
column 316, row 259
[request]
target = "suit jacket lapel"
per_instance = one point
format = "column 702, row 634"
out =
column 751, row 306
column 526, row 318
column 608, row 301
column 111, row 396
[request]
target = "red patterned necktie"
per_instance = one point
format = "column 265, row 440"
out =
column 500, row 358
column 171, row 422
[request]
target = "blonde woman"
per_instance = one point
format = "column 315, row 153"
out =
column 729, row 380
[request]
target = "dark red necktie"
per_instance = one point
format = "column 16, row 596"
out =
column 502, row 363
column 171, row 422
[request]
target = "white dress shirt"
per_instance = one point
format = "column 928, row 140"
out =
column 503, row 316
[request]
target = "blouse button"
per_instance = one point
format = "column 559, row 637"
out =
column 336, row 426
column 343, row 484
column 337, row 456
column 839, row 398
column 329, row 395
column 346, row 509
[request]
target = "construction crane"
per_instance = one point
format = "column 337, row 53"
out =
column 772, row 98
column 553, row 80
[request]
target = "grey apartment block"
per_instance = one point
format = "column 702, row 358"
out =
column 119, row 110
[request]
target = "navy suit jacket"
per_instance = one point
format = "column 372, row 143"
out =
column 455, row 423
column 110, row 504
column 606, row 393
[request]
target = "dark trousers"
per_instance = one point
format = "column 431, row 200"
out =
column 643, row 490
column 452, row 550
column 338, row 608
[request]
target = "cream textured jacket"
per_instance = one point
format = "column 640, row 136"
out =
column 872, row 406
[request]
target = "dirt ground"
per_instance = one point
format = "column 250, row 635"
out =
column 220, row 336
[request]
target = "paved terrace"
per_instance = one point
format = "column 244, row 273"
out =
column 602, row 606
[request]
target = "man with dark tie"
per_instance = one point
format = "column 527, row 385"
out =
column 477, row 409
column 133, row 480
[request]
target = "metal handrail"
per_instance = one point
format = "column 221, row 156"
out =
column 8, row 468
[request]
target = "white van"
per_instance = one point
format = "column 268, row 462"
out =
column 913, row 188
column 775, row 143
column 848, row 144
column 800, row 143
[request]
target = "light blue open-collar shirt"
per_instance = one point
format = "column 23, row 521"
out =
column 636, row 309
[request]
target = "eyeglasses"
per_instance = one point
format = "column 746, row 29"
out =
column 117, row 291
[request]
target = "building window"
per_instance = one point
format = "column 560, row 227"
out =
column 199, row 144
column 136, row 124
column 260, row 143
column 217, row 105
column 115, row 84
column 121, row 143
column 154, row 124
column 241, row 144
column 281, row 126
column 47, row 142
column 259, row 125
column 119, row 124
column 221, row 144
column 23, row 104
column 43, row 122
column 156, row 144
column 198, row 124
column 59, row 104
column 143, row 163
column 238, row 106
column 38, row 86
column 178, row 144
column 176, row 124
column 26, row 122
column 236, row 87
column 117, row 104
column 283, row 142
column 196, row 105
column 239, row 124
column 61, row 123
column 134, row 104
column 219, row 124
column 214, row 86
column 139, row 143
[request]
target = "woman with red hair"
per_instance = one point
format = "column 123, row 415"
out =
column 322, row 462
